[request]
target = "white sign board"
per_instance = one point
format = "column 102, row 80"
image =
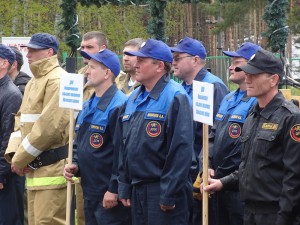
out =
column 71, row 91
column 203, row 102
column 17, row 42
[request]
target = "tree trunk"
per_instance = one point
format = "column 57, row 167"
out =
column 26, row 23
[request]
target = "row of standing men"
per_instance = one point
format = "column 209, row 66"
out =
column 139, row 153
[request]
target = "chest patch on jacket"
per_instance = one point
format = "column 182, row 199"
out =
column 153, row 128
column 295, row 132
column 156, row 116
column 234, row 130
column 219, row 116
column 96, row 140
column 269, row 126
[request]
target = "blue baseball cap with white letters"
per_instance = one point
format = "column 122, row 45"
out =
column 190, row 46
column 154, row 49
column 246, row 50
column 107, row 58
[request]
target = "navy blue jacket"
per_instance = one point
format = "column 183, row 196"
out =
column 10, row 101
column 227, row 131
column 94, row 149
column 157, row 140
column 220, row 90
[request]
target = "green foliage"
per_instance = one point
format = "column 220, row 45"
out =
column 276, row 19
column 118, row 23
column 70, row 21
column 156, row 26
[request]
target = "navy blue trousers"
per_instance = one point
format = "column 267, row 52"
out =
column 95, row 214
column 11, row 201
column 146, row 209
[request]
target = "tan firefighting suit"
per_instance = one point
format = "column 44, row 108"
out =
column 122, row 83
column 42, row 125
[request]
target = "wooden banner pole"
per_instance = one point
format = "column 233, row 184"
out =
column 70, row 156
column 205, row 175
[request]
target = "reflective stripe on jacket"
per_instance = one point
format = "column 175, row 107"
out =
column 43, row 125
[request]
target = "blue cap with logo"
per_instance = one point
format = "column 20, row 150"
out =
column 190, row 46
column 7, row 53
column 42, row 41
column 246, row 50
column 107, row 58
column 154, row 49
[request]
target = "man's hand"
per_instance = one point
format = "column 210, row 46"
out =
column 70, row 171
column 1, row 186
column 20, row 171
column 213, row 185
column 110, row 200
column 211, row 173
column 126, row 202
column 167, row 207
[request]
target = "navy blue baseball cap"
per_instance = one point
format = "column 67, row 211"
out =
column 42, row 41
column 7, row 53
column 263, row 61
column 190, row 46
column 154, row 49
column 246, row 50
column 107, row 58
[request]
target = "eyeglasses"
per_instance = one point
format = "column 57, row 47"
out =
column 235, row 63
column 177, row 59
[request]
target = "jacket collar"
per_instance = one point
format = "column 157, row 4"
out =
column 245, row 97
column 273, row 105
column 4, row 80
column 159, row 86
column 199, row 77
column 201, row 74
column 43, row 66
column 107, row 97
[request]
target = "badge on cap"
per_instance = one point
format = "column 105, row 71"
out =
column 153, row 128
column 252, row 57
column 295, row 132
column 234, row 130
column 143, row 44
column 96, row 140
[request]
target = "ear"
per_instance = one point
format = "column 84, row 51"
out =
column 275, row 80
column 50, row 52
column 108, row 74
column 161, row 66
column 15, row 64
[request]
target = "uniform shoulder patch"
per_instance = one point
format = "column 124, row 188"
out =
column 295, row 132
column 234, row 130
column 153, row 128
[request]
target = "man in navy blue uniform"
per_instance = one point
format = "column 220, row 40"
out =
column 189, row 64
column 157, row 142
column 11, row 185
column 226, row 133
column 95, row 157
column 269, row 172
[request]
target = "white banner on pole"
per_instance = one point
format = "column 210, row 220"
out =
column 71, row 91
column 203, row 102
